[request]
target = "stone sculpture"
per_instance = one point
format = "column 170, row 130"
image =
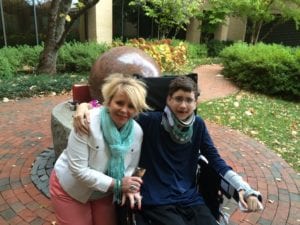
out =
column 124, row 59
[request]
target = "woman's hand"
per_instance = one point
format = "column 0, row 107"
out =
column 135, row 199
column 251, row 203
column 131, row 190
column 81, row 119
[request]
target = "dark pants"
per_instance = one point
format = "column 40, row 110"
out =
column 175, row 215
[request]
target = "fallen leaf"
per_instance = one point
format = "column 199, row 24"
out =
column 248, row 113
column 5, row 100
column 236, row 104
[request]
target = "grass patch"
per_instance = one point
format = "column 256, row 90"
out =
column 271, row 121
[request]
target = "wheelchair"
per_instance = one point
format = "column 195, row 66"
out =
column 215, row 188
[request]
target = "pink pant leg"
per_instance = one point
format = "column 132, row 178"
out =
column 103, row 211
column 67, row 210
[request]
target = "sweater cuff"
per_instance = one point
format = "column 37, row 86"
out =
column 239, row 184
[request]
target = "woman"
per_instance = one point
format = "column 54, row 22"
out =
column 95, row 171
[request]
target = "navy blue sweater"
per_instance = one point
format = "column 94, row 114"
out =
column 170, row 177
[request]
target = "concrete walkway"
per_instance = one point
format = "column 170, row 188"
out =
column 25, row 133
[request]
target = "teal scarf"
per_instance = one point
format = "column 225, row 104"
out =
column 180, row 131
column 119, row 142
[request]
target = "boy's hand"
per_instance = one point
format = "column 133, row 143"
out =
column 81, row 119
column 250, row 204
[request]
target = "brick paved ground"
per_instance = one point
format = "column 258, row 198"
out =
column 25, row 133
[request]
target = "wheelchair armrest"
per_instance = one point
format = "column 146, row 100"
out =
column 224, row 186
column 228, row 190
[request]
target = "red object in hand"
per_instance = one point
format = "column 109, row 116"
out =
column 81, row 93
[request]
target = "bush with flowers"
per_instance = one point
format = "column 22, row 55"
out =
column 169, row 57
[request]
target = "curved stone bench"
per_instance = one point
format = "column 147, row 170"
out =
column 61, row 125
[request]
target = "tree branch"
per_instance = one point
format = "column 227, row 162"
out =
column 89, row 4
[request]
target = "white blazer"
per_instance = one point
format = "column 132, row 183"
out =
column 82, row 166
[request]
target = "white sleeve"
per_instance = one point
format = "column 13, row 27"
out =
column 78, row 160
column 239, row 184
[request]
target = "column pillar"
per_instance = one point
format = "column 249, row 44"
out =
column 100, row 22
column 233, row 29
column 222, row 31
column 193, row 31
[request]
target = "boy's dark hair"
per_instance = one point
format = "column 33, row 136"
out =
column 183, row 83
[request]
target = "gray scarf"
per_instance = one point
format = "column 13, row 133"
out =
column 180, row 131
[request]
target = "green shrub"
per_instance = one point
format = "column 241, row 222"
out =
column 72, row 57
column 32, row 85
column 79, row 57
column 10, row 61
column 214, row 47
column 30, row 54
column 6, row 69
column 196, row 51
column 269, row 69
column 16, row 59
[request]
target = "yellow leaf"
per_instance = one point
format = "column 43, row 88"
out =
column 236, row 104
column 68, row 18
column 248, row 113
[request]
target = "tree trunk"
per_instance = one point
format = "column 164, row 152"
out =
column 253, row 32
column 48, row 58
column 58, row 28
column 257, row 32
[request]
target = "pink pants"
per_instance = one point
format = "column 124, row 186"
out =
column 68, row 211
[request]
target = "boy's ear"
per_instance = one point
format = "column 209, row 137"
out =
column 168, row 98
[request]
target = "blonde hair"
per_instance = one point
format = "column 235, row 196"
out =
column 132, row 87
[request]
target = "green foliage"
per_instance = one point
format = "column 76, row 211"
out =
column 29, row 55
column 72, row 57
column 10, row 61
column 33, row 85
column 196, row 51
column 257, row 12
column 214, row 15
column 169, row 14
column 6, row 68
column 18, row 59
column 274, row 122
column 214, row 47
column 79, row 57
column 270, row 69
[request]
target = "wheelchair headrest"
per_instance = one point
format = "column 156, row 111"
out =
column 157, row 88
